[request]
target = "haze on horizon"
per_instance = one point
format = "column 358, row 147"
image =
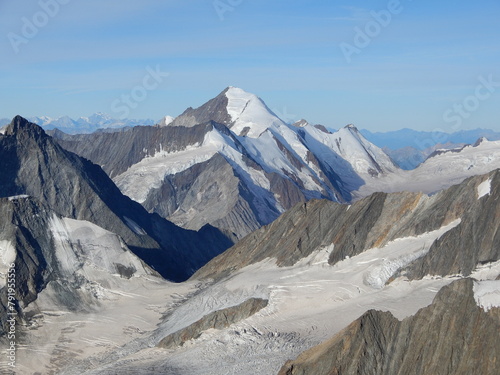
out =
column 382, row 65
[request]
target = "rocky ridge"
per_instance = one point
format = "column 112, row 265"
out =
column 375, row 221
column 451, row 336
column 215, row 320
column 73, row 187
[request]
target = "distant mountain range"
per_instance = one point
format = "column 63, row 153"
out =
column 422, row 140
column 407, row 147
column 83, row 125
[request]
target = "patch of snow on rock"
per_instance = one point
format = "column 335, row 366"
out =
column 484, row 189
column 487, row 294
column 16, row 197
column 7, row 256
column 401, row 252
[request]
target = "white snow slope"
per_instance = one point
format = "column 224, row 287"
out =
column 308, row 303
column 441, row 171
column 277, row 147
column 87, row 257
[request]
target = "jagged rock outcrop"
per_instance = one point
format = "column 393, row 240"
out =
column 452, row 336
column 216, row 320
column 32, row 163
column 475, row 241
column 373, row 222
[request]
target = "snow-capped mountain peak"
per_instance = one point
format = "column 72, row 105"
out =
column 249, row 114
column 242, row 112
column 275, row 163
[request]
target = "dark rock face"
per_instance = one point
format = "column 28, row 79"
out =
column 24, row 222
column 117, row 151
column 451, row 336
column 475, row 241
column 202, row 185
column 33, row 164
column 374, row 221
column 214, row 110
column 218, row 320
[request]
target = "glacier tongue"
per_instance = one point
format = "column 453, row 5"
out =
column 303, row 298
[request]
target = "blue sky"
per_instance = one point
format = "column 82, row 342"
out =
column 421, row 69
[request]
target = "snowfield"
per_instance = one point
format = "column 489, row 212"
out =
column 441, row 171
column 484, row 189
column 308, row 303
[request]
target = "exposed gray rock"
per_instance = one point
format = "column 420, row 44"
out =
column 117, row 151
column 217, row 320
column 33, row 164
column 200, row 187
column 213, row 110
column 475, row 241
column 451, row 336
column 373, row 222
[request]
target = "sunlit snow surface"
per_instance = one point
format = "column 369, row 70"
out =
column 277, row 148
column 484, row 189
column 487, row 294
column 308, row 303
column 441, row 171
column 7, row 257
column 249, row 111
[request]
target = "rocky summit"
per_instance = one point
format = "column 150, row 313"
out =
column 232, row 163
